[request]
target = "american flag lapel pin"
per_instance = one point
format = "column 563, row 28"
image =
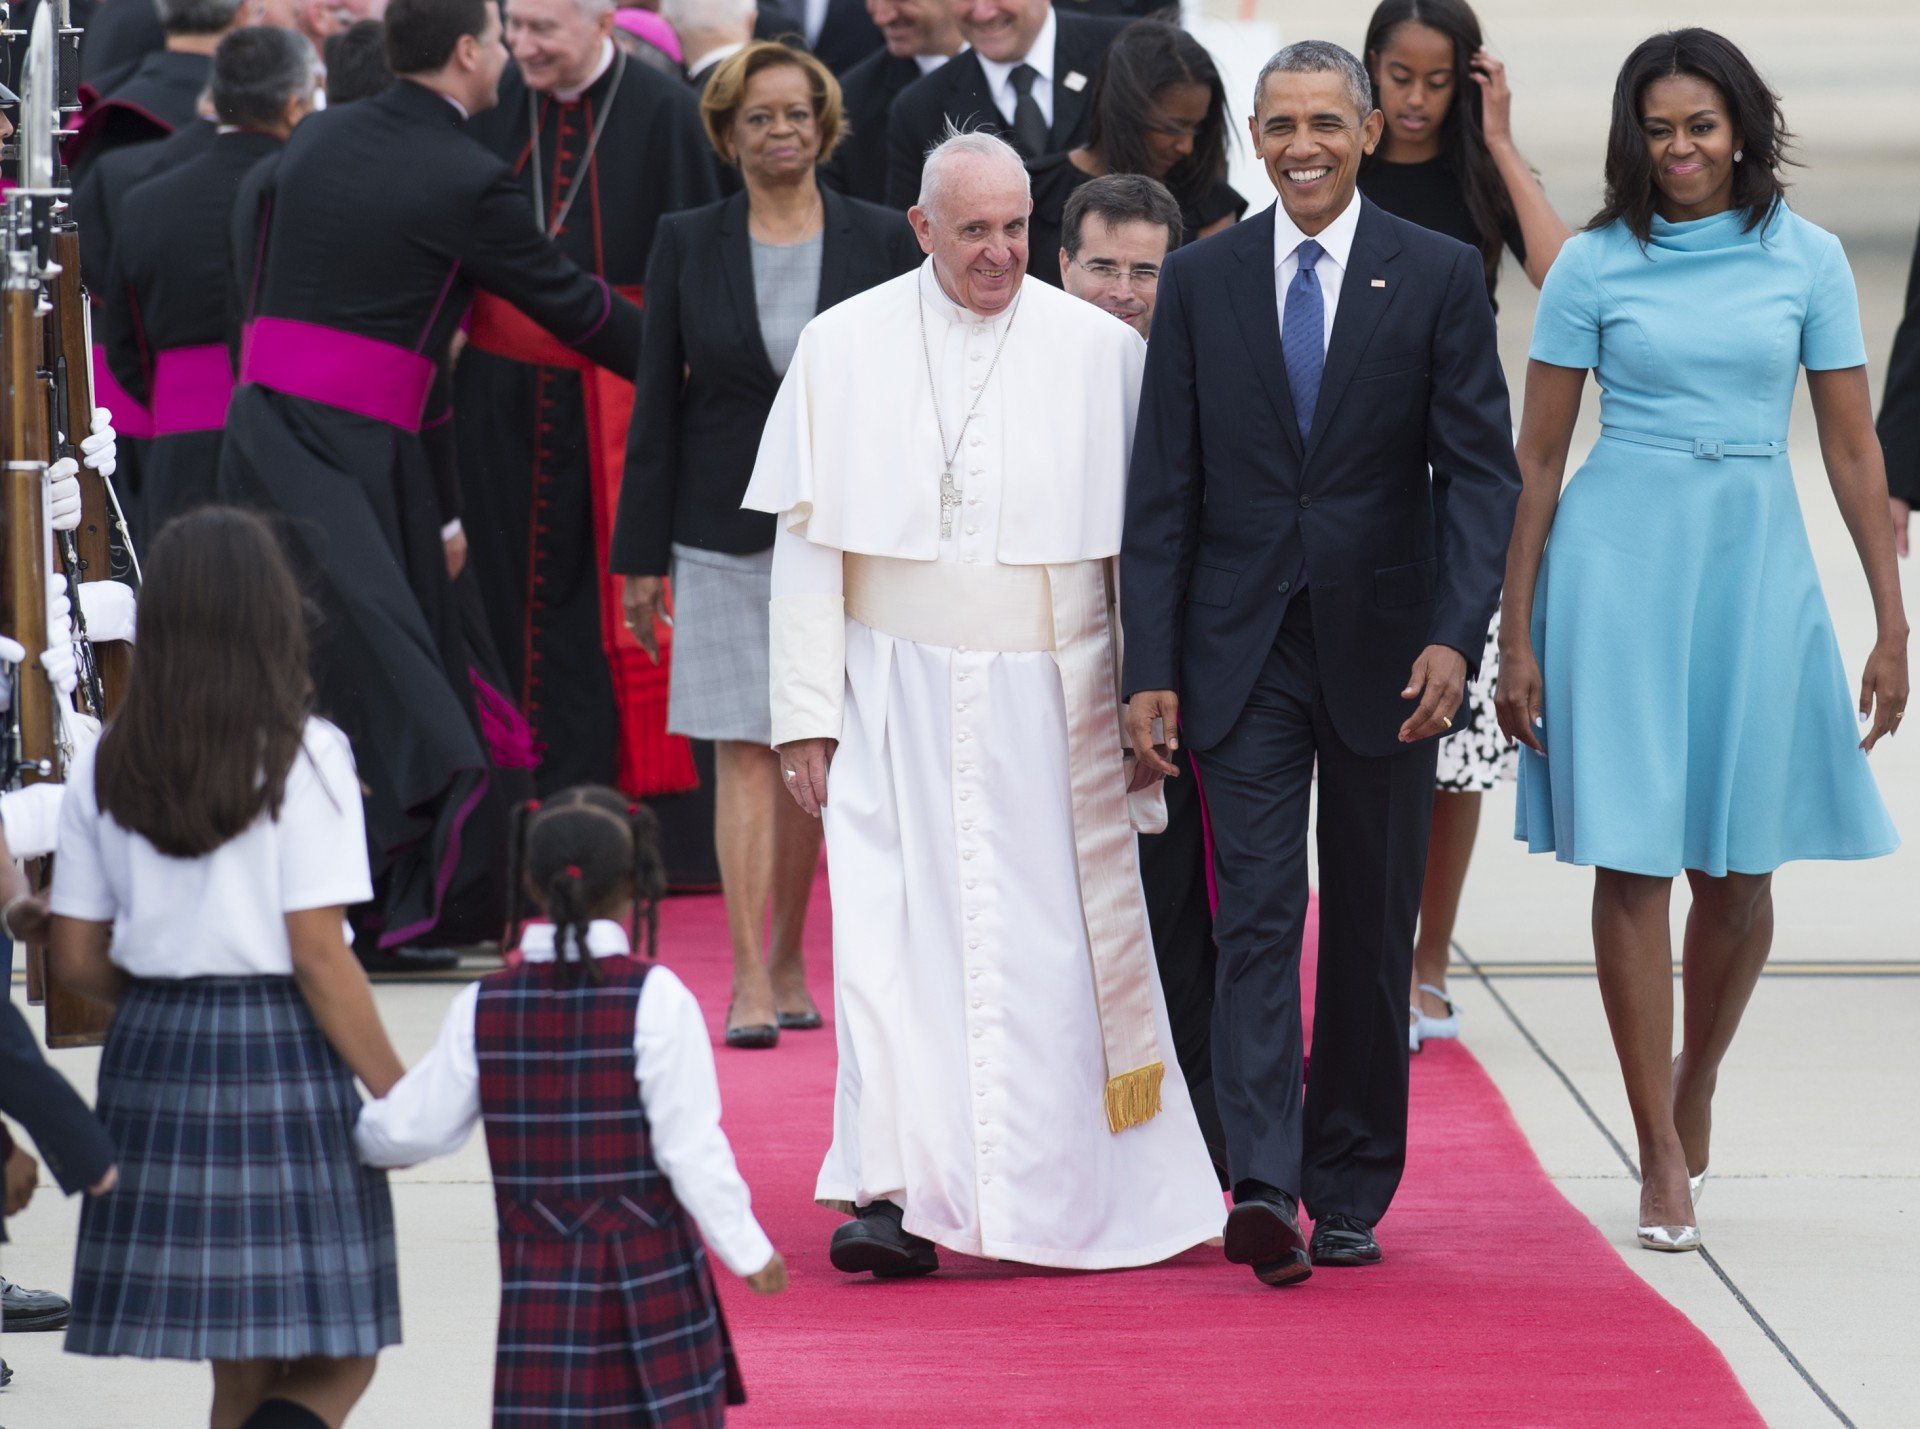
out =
column 1075, row 81
column 1379, row 282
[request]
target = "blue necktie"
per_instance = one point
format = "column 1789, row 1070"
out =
column 1303, row 335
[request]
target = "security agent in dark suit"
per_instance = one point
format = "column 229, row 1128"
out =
column 838, row 33
column 75, row 1145
column 1317, row 522
column 1899, row 423
column 921, row 36
column 1026, row 77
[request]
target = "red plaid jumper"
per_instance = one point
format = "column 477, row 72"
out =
column 607, row 1307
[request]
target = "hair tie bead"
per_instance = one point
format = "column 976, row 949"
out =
column 574, row 869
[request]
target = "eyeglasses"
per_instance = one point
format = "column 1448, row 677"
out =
column 1141, row 275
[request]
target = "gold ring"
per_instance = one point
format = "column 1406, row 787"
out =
column 1899, row 715
column 1445, row 723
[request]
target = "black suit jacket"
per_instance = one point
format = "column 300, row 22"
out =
column 858, row 167
column 1395, row 510
column 957, row 93
column 1900, row 405
column 72, row 1142
column 705, row 383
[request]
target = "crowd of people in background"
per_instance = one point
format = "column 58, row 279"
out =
column 522, row 329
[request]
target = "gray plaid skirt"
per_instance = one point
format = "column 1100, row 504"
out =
column 244, row 1226
column 717, row 688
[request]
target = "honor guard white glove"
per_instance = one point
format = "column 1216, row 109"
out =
column 83, row 731
column 109, row 608
column 32, row 819
column 57, row 660
column 101, row 451
column 63, row 494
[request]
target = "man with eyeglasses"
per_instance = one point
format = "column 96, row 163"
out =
column 1115, row 233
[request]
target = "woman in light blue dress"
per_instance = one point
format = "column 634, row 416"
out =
column 1667, row 657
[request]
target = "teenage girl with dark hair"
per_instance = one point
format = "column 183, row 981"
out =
column 1668, row 660
column 209, row 848
column 1447, row 161
column 1158, row 109
column 593, row 1074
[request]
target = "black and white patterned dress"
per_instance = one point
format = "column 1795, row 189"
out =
column 1478, row 757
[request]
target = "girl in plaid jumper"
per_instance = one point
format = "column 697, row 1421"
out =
column 593, row 1074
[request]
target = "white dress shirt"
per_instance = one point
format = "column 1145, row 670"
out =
column 1000, row 76
column 434, row 1107
column 1336, row 238
column 222, row 914
column 713, row 57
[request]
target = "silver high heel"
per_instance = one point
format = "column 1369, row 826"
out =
column 1437, row 1029
column 1670, row 1238
column 1695, row 1185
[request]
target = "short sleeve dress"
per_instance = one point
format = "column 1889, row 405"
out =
column 1697, row 714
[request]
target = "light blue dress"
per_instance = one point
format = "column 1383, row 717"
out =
column 1697, row 714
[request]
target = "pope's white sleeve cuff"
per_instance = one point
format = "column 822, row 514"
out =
column 808, row 666
column 450, row 530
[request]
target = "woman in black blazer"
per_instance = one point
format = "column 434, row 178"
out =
column 729, row 287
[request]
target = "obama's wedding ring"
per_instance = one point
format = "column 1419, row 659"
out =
column 1445, row 722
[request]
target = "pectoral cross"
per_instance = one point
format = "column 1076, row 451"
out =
column 949, row 502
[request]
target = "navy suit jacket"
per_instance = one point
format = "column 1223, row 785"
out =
column 1395, row 511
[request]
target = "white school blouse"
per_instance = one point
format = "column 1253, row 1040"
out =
column 222, row 914
column 434, row 1107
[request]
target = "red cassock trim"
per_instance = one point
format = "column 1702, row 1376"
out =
column 652, row 762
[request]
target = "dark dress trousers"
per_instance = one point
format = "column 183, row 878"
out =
column 1284, row 588
column 706, row 384
column 957, row 93
column 858, row 167
column 1900, row 405
column 72, row 1142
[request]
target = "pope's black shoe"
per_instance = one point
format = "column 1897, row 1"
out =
column 22, row 1309
column 1264, row 1232
column 876, row 1241
column 1344, row 1240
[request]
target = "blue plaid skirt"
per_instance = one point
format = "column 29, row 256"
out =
column 244, row 1226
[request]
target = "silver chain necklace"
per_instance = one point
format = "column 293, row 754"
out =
column 586, row 158
column 949, row 489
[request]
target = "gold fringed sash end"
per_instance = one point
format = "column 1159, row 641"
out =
column 1133, row 1098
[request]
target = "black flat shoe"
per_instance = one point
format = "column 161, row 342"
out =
column 755, row 1037
column 876, row 1242
column 1344, row 1240
column 1265, row 1234
column 408, row 960
column 22, row 1310
column 801, row 1021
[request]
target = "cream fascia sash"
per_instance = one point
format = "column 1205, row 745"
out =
column 1067, row 610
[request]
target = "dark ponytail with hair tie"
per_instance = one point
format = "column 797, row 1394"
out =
column 582, row 854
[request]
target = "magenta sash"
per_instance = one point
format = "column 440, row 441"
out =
column 130, row 419
column 362, row 375
column 191, row 389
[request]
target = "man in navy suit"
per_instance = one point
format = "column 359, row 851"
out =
column 1322, row 489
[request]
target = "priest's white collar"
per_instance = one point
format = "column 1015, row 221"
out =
column 572, row 96
column 1335, row 240
column 946, row 309
column 605, row 939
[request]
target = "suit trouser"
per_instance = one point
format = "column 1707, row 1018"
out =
column 1173, row 873
column 1343, row 1148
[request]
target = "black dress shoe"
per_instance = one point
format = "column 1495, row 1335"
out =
column 408, row 960
column 1265, row 1233
column 876, row 1241
column 1344, row 1240
column 22, row 1309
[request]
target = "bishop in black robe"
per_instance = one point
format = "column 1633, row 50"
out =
column 371, row 232
column 165, row 330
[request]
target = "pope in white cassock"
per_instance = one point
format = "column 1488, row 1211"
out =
column 948, row 458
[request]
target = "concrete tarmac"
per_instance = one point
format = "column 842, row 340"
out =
column 1809, row 1285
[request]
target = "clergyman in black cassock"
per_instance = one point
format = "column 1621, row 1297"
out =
column 166, row 316
column 379, row 221
column 161, row 93
column 541, row 433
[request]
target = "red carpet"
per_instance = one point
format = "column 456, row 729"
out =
column 1498, row 1303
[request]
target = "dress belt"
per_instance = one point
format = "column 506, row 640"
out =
column 950, row 605
column 1702, row 448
